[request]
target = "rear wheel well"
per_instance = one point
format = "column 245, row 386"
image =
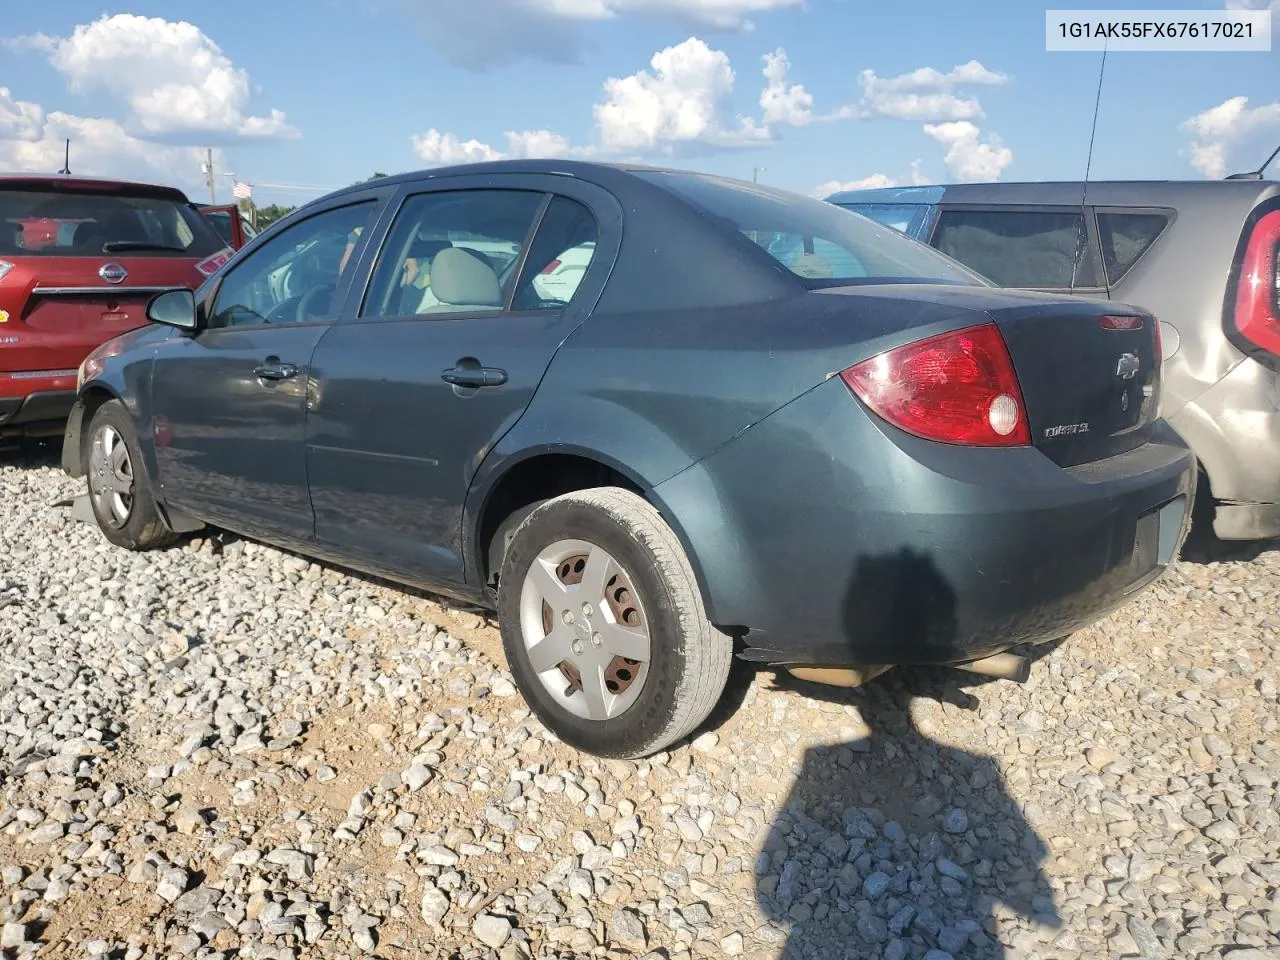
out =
column 530, row 482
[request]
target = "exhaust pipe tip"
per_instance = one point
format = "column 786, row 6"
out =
column 1002, row 666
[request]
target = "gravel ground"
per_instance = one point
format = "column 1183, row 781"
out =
column 226, row 751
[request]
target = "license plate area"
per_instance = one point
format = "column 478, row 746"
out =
column 1157, row 536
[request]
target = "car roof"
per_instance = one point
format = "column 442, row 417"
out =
column 69, row 184
column 590, row 171
column 1067, row 193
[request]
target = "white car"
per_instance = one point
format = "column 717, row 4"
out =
column 560, row 278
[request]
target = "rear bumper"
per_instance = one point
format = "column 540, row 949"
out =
column 45, row 406
column 1234, row 429
column 833, row 541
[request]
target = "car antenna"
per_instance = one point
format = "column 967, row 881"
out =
column 1088, row 165
column 66, row 162
column 1256, row 174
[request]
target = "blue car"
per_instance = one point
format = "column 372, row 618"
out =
column 753, row 423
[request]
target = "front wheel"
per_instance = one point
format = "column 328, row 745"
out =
column 604, row 626
column 118, row 487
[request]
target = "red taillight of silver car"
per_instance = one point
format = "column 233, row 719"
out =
column 1257, row 308
column 958, row 387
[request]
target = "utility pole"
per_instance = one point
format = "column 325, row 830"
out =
column 210, row 178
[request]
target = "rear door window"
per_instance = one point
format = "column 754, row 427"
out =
column 1020, row 248
column 37, row 223
column 559, row 257
column 452, row 251
column 1125, row 237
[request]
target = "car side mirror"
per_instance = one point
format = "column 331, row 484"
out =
column 174, row 308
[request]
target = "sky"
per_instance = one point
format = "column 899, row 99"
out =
column 301, row 96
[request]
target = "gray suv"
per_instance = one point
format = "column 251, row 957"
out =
column 1201, row 255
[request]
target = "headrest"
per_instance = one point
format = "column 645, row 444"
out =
column 463, row 278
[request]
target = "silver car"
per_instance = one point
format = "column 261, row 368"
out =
column 1203, row 256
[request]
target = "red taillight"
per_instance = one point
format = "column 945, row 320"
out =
column 1257, row 307
column 959, row 387
column 551, row 267
column 212, row 264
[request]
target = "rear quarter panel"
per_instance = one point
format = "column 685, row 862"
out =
column 1183, row 277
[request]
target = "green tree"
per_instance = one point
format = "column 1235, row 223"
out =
column 270, row 214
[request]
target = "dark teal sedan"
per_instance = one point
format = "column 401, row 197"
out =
column 654, row 419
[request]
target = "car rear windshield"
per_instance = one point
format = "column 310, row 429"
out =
column 820, row 242
column 66, row 224
column 909, row 218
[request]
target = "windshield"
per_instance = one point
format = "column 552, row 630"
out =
column 65, row 224
column 817, row 241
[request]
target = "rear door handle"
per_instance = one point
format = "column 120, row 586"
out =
column 475, row 376
column 275, row 370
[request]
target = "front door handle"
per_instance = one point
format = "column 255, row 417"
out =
column 275, row 370
column 475, row 376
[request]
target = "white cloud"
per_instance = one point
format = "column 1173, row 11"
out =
column 33, row 141
column 875, row 181
column 174, row 78
column 783, row 101
column 915, row 178
column 443, row 149
column 540, row 143
column 926, row 94
column 682, row 103
column 966, row 156
column 1221, row 130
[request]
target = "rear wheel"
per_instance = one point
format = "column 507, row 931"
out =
column 604, row 627
column 118, row 487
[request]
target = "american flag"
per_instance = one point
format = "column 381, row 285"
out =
column 242, row 191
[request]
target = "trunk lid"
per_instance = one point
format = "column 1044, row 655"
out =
column 1089, row 374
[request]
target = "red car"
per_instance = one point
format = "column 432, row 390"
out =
column 79, row 260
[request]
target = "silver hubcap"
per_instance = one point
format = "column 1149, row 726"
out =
column 111, row 477
column 585, row 629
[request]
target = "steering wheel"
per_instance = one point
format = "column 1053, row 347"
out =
column 284, row 312
column 310, row 299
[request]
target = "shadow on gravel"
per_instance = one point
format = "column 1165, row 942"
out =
column 893, row 845
column 29, row 453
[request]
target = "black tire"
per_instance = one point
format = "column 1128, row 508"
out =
column 689, row 658
column 141, row 527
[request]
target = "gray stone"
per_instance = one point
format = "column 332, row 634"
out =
column 172, row 883
column 1144, row 937
column 434, row 905
column 956, row 821
column 13, row 935
column 626, row 930
column 875, row 885
column 490, row 930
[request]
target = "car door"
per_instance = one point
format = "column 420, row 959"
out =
column 229, row 403
column 442, row 358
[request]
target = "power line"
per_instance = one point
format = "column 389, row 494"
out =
column 321, row 188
